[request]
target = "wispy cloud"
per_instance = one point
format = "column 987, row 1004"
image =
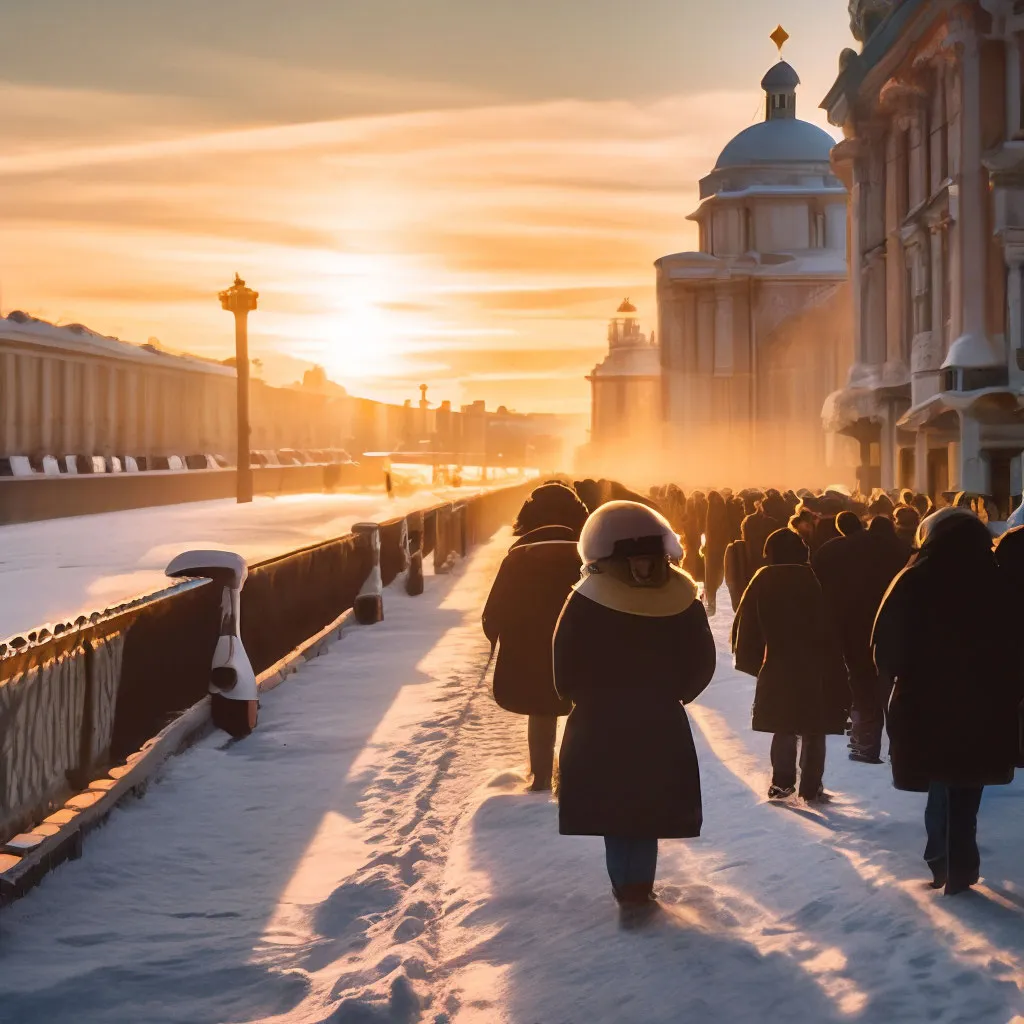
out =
column 376, row 241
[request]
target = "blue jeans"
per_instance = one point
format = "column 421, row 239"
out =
column 631, row 861
column 951, row 820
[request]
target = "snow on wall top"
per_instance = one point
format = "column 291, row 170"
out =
column 76, row 338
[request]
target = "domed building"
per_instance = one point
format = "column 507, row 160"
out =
column 755, row 325
column 625, row 387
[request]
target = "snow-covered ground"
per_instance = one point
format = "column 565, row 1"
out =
column 370, row 855
column 53, row 570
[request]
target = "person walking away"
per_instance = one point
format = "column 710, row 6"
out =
column 526, row 598
column 781, row 636
column 631, row 647
column 716, row 540
column 907, row 520
column 772, row 514
column 855, row 571
column 694, row 527
column 946, row 635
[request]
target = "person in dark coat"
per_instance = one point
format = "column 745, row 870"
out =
column 855, row 571
column 737, row 571
column 946, row 636
column 631, row 647
column 716, row 540
column 781, row 636
column 694, row 527
column 736, row 516
column 772, row 514
column 907, row 520
column 526, row 598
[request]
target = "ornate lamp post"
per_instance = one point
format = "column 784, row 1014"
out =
column 241, row 301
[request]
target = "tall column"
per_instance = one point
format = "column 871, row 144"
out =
column 973, row 468
column 921, row 462
column 11, row 401
column 1014, row 311
column 972, row 343
column 887, row 446
column 89, row 400
column 46, row 369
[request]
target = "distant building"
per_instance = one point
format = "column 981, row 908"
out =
column 625, row 387
column 933, row 117
column 754, row 327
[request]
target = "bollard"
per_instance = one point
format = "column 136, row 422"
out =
column 442, row 540
column 414, row 577
column 368, row 606
column 234, row 699
column 461, row 529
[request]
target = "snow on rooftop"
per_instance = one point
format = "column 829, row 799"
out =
column 20, row 327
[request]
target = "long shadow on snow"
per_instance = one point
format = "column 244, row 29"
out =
column 214, row 862
column 877, row 919
column 554, row 931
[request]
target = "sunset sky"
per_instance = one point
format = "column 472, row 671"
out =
column 458, row 192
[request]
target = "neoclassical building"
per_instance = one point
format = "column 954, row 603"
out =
column 626, row 386
column 931, row 110
column 755, row 325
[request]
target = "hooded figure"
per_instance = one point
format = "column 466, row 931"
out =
column 716, row 540
column 947, row 637
column 631, row 647
column 694, row 527
column 526, row 598
column 772, row 514
column 855, row 571
column 781, row 636
column 907, row 520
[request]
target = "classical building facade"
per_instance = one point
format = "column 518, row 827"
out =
column 931, row 111
column 744, row 368
column 625, row 387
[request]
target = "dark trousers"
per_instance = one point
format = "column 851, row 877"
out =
column 951, row 819
column 541, row 732
column 867, row 713
column 631, row 862
column 812, row 762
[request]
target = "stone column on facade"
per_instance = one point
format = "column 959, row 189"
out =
column 46, row 369
column 70, row 404
column 974, row 470
column 921, row 449
column 89, row 384
column 12, row 400
column 972, row 344
column 895, row 274
column 1014, row 312
column 888, row 449
column 723, row 359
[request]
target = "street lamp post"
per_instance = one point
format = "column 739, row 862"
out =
column 240, row 301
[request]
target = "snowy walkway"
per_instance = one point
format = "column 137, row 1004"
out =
column 54, row 569
column 369, row 855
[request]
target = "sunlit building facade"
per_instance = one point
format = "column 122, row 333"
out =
column 626, row 386
column 755, row 325
column 933, row 154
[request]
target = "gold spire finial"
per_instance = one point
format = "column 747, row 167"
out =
column 779, row 38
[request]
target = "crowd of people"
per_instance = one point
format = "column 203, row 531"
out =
column 856, row 615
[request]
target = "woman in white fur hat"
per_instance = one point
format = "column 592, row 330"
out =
column 631, row 647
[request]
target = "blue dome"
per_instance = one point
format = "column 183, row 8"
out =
column 780, row 141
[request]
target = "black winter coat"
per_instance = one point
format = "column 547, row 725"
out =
column 737, row 573
column 522, row 609
column 628, row 766
column 946, row 634
column 855, row 572
column 781, row 635
column 756, row 530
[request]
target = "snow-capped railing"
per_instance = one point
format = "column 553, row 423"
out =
column 78, row 698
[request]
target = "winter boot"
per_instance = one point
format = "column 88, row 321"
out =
column 780, row 792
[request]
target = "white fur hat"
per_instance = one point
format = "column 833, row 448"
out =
column 625, row 520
